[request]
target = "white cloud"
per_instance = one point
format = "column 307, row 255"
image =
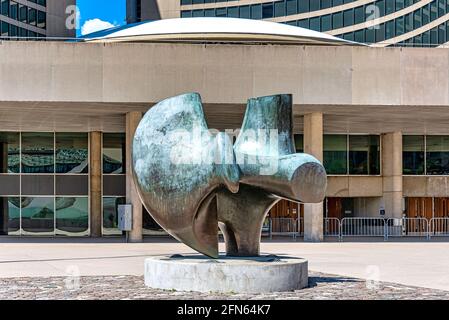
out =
column 94, row 25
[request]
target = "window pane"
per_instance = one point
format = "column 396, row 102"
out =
column 72, row 216
column 110, row 215
column 303, row 5
column 315, row 23
column 359, row 15
column 38, row 215
column 114, row 148
column 244, row 12
column 299, row 143
column 291, row 7
column 41, row 20
column 10, row 151
column 335, row 154
column 267, row 10
column 326, row 23
column 233, row 12
column 72, row 153
column 364, row 155
column 337, row 20
column 9, row 215
column 37, row 152
column 150, row 226
column 256, row 11
column 437, row 155
column 279, row 9
column 413, row 154
column 348, row 18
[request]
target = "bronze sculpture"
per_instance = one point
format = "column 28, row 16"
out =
column 193, row 181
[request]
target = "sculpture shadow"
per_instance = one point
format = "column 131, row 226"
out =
column 314, row 281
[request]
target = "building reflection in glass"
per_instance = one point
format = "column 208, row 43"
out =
column 10, row 216
column 37, row 152
column 72, row 216
column 114, row 148
column 110, row 215
column 72, row 153
column 10, row 152
column 38, row 215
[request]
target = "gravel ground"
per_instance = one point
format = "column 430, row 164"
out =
column 321, row 287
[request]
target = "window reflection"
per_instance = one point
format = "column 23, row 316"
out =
column 37, row 152
column 364, row 155
column 72, row 216
column 72, row 153
column 10, row 152
column 110, row 215
column 413, row 154
column 38, row 215
column 150, row 226
column 437, row 155
column 299, row 143
column 335, row 154
column 114, row 153
column 9, row 216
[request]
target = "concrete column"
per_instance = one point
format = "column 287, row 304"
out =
column 313, row 144
column 132, row 197
column 392, row 174
column 95, row 184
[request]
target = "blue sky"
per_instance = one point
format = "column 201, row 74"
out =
column 106, row 11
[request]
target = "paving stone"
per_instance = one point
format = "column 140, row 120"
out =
column 321, row 287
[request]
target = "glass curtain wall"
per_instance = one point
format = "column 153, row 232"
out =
column 114, row 180
column 413, row 155
column 335, row 154
column 44, row 184
column 425, row 155
column 351, row 154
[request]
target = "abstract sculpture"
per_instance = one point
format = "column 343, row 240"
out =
column 193, row 181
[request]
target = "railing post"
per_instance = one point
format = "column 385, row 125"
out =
column 341, row 229
column 271, row 228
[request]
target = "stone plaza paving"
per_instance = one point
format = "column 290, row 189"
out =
column 321, row 287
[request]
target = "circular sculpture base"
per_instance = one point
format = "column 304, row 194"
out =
column 227, row 274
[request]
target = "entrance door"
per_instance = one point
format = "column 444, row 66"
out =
column 339, row 208
column 441, row 207
column 419, row 207
column 287, row 209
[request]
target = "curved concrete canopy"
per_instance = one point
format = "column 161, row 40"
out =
column 213, row 30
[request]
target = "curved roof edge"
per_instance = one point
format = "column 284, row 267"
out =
column 214, row 30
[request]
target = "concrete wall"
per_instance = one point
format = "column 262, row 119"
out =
column 223, row 74
column 426, row 186
column 354, row 186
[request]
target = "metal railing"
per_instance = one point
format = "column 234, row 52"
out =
column 362, row 227
column 331, row 227
column 365, row 227
column 439, row 227
column 300, row 226
column 407, row 227
column 283, row 227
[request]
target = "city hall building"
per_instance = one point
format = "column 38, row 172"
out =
column 377, row 118
column 381, row 22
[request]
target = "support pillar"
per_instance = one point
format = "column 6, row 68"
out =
column 313, row 144
column 95, row 184
column 132, row 197
column 392, row 174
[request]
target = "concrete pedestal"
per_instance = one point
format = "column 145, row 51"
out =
column 227, row 274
